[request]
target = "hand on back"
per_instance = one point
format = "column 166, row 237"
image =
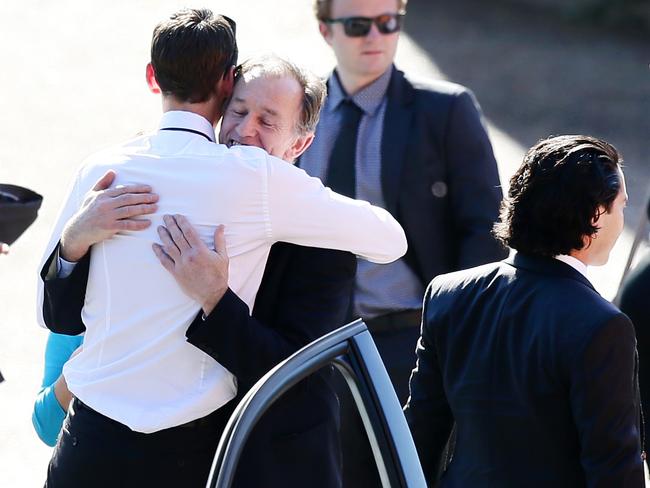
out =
column 105, row 212
column 201, row 272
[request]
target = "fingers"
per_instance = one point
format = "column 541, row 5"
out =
column 220, row 241
column 124, row 189
column 163, row 257
column 188, row 230
column 105, row 181
column 168, row 244
column 132, row 224
column 4, row 248
column 176, row 233
column 134, row 211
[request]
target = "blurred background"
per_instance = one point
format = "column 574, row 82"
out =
column 72, row 81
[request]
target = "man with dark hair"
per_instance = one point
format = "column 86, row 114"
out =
column 535, row 368
column 147, row 408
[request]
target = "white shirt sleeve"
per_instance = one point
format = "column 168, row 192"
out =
column 303, row 211
column 67, row 210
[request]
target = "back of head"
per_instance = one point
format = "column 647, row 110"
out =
column 313, row 88
column 556, row 196
column 191, row 51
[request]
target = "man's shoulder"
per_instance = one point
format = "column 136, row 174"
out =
column 428, row 88
column 435, row 87
column 475, row 273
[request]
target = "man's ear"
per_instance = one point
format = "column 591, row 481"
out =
column 151, row 79
column 299, row 146
column 325, row 31
column 226, row 84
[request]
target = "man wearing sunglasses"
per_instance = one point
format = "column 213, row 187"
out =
column 421, row 151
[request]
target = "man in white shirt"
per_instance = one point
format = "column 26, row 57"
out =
column 140, row 386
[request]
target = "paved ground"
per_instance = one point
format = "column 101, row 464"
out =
column 73, row 81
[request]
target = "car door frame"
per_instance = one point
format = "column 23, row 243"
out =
column 352, row 351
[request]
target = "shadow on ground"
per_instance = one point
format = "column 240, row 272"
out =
column 536, row 74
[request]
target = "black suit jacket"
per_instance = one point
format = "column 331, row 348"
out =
column 304, row 294
column 635, row 294
column 539, row 373
column 438, row 176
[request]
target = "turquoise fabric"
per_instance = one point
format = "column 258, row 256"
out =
column 48, row 415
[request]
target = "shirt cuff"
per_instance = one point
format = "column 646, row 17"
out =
column 64, row 268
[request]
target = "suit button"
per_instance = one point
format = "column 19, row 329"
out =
column 75, row 441
column 439, row 189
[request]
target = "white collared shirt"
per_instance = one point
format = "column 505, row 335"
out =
column 575, row 263
column 136, row 366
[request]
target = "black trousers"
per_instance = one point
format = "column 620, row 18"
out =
column 94, row 450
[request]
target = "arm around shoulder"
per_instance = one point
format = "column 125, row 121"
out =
column 303, row 211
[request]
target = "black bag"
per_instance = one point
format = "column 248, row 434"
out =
column 18, row 210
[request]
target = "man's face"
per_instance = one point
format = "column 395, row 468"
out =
column 264, row 112
column 611, row 225
column 362, row 57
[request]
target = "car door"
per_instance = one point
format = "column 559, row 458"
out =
column 352, row 351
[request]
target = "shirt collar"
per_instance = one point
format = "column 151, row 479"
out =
column 368, row 99
column 178, row 119
column 574, row 263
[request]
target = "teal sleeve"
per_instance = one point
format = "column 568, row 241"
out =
column 48, row 415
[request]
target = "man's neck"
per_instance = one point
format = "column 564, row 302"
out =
column 352, row 84
column 209, row 110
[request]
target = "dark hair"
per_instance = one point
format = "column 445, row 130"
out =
column 323, row 8
column 557, row 195
column 313, row 88
column 191, row 51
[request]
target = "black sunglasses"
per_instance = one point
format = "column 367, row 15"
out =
column 360, row 26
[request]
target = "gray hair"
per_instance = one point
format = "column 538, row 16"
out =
column 313, row 88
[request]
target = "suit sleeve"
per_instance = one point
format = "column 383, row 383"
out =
column 63, row 298
column 605, row 405
column 427, row 410
column 302, row 312
column 474, row 186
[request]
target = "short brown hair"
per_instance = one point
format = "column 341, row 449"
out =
column 313, row 88
column 323, row 8
column 558, row 193
column 191, row 51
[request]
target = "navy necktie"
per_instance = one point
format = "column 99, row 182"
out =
column 341, row 171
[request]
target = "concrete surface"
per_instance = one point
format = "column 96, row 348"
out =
column 73, row 81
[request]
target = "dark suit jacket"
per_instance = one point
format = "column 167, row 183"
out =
column 439, row 177
column 304, row 294
column 538, row 371
column 635, row 296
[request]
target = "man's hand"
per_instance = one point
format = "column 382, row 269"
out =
column 4, row 248
column 201, row 272
column 104, row 213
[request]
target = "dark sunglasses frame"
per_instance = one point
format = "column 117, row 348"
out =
column 360, row 26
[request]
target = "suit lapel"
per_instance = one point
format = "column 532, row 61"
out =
column 397, row 123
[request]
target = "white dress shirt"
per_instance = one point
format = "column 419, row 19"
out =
column 575, row 263
column 136, row 366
